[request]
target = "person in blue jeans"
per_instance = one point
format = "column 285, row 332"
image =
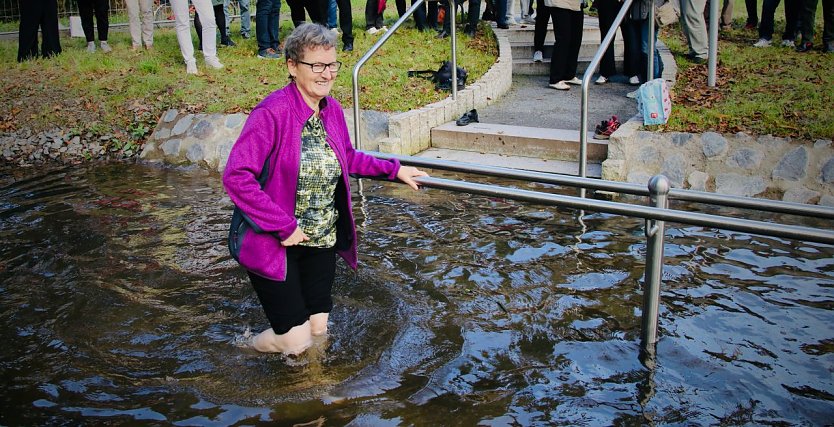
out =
column 266, row 28
column 245, row 18
column 640, row 18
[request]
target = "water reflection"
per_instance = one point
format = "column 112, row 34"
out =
column 120, row 304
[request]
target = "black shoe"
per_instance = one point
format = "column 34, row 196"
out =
column 469, row 32
column 468, row 117
column 503, row 26
column 348, row 47
column 443, row 35
column 805, row 47
column 696, row 59
column 228, row 42
column 829, row 47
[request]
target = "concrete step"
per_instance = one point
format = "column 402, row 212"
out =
column 509, row 140
column 523, row 33
column 525, row 50
column 527, row 67
column 593, row 170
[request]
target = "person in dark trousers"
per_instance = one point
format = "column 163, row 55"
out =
column 608, row 10
column 36, row 14
column 419, row 14
column 219, row 19
column 791, row 23
column 752, row 14
column 472, row 25
column 808, row 13
column 568, row 19
column 318, row 10
column 267, row 17
column 101, row 8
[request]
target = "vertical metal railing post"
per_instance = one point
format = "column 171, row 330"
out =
column 655, row 230
column 586, row 83
column 453, row 4
column 712, row 63
column 357, row 137
column 651, row 45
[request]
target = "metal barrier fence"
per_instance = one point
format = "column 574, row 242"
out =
column 10, row 9
column 656, row 215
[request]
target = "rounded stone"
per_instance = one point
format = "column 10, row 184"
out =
column 170, row 115
column 195, row 153
column 674, row 167
column 800, row 195
column 234, row 120
column 698, row 181
column 202, row 130
column 171, row 147
column 182, row 125
column 746, row 158
column 793, row 166
column 681, row 139
column 827, row 172
column 739, row 185
column 714, row 144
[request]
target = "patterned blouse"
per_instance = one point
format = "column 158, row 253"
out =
column 315, row 201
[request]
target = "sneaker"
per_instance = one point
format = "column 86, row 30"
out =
column 228, row 42
column 633, row 94
column 383, row 29
column 213, row 62
column 634, row 80
column 601, row 80
column 105, row 47
column 574, row 81
column 788, row 43
column 373, row 30
column 191, row 68
column 335, row 30
column 537, row 56
column 762, row 43
column 529, row 20
column 91, row 47
column 805, row 47
column 269, row 54
column 560, row 85
column 604, row 132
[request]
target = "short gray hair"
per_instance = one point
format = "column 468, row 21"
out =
column 308, row 36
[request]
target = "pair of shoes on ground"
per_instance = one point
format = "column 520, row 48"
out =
column 374, row 30
column 269, row 54
column 606, row 127
column 211, row 62
column 105, row 47
column 768, row 43
column 805, row 47
column 468, row 117
column 565, row 84
column 633, row 80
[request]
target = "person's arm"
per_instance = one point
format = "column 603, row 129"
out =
column 240, row 178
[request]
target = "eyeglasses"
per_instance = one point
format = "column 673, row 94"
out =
column 319, row 67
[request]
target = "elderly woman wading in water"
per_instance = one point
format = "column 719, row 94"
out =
column 299, row 136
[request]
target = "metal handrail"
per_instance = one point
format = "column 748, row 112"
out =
column 766, row 205
column 586, row 82
column 356, row 115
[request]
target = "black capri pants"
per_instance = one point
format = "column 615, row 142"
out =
column 305, row 292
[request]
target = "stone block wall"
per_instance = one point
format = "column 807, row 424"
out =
column 738, row 165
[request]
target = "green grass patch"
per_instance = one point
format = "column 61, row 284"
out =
column 124, row 92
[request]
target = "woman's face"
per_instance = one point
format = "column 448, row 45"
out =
column 313, row 86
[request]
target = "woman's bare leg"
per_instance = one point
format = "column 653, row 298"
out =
column 295, row 341
column 318, row 324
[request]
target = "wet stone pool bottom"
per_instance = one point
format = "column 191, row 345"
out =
column 120, row 304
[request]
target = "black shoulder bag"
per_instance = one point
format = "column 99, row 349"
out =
column 442, row 78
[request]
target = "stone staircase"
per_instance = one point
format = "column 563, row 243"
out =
column 511, row 142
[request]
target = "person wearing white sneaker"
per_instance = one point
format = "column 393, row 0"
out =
column 792, row 10
column 560, row 85
column 537, row 56
column 607, row 11
column 601, row 80
column 568, row 19
column 101, row 8
column 762, row 43
column 634, row 80
column 182, row 24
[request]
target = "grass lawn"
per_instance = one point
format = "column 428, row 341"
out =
column 760, row 91
column 123, row 93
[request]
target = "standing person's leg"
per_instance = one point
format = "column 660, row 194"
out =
column 318, row 272
column 791, row 21
column 420, row 16
column 227, row 12
column 102, row 8
column 146, row 9
column 220, row 20
column 631, row 50
column 296, row 12
column 346, row 24
column 607, row 11
column 51, row 43
column 274, row 25
column 577, row 20
column 85, row 10
column 401, row 7
column 561, row 51
column 768, row 14
column 134, row 24
column 30, row 19
column 540, row 31
column 692, row 16
column 500, row 13
column 262, row 34
column 245, row 18
column 209, row 32
column 474, row 13
column 432, row 14
column 752, row 14
column 198, row 26
column 182, row 24
column 644, row 48
column 828, row 25
column 332, row 13
column 371, row 7
column 726, row 14
column 808, row 15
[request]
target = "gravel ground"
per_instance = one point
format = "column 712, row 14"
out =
column 25, row 148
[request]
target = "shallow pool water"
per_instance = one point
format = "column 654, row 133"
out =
column 120, row 304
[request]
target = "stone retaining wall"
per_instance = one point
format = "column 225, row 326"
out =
column 207, row 139
column 739, row 165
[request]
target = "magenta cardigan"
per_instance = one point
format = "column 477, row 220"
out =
column 275, row 126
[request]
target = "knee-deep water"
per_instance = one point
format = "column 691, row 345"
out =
column 119, row 304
